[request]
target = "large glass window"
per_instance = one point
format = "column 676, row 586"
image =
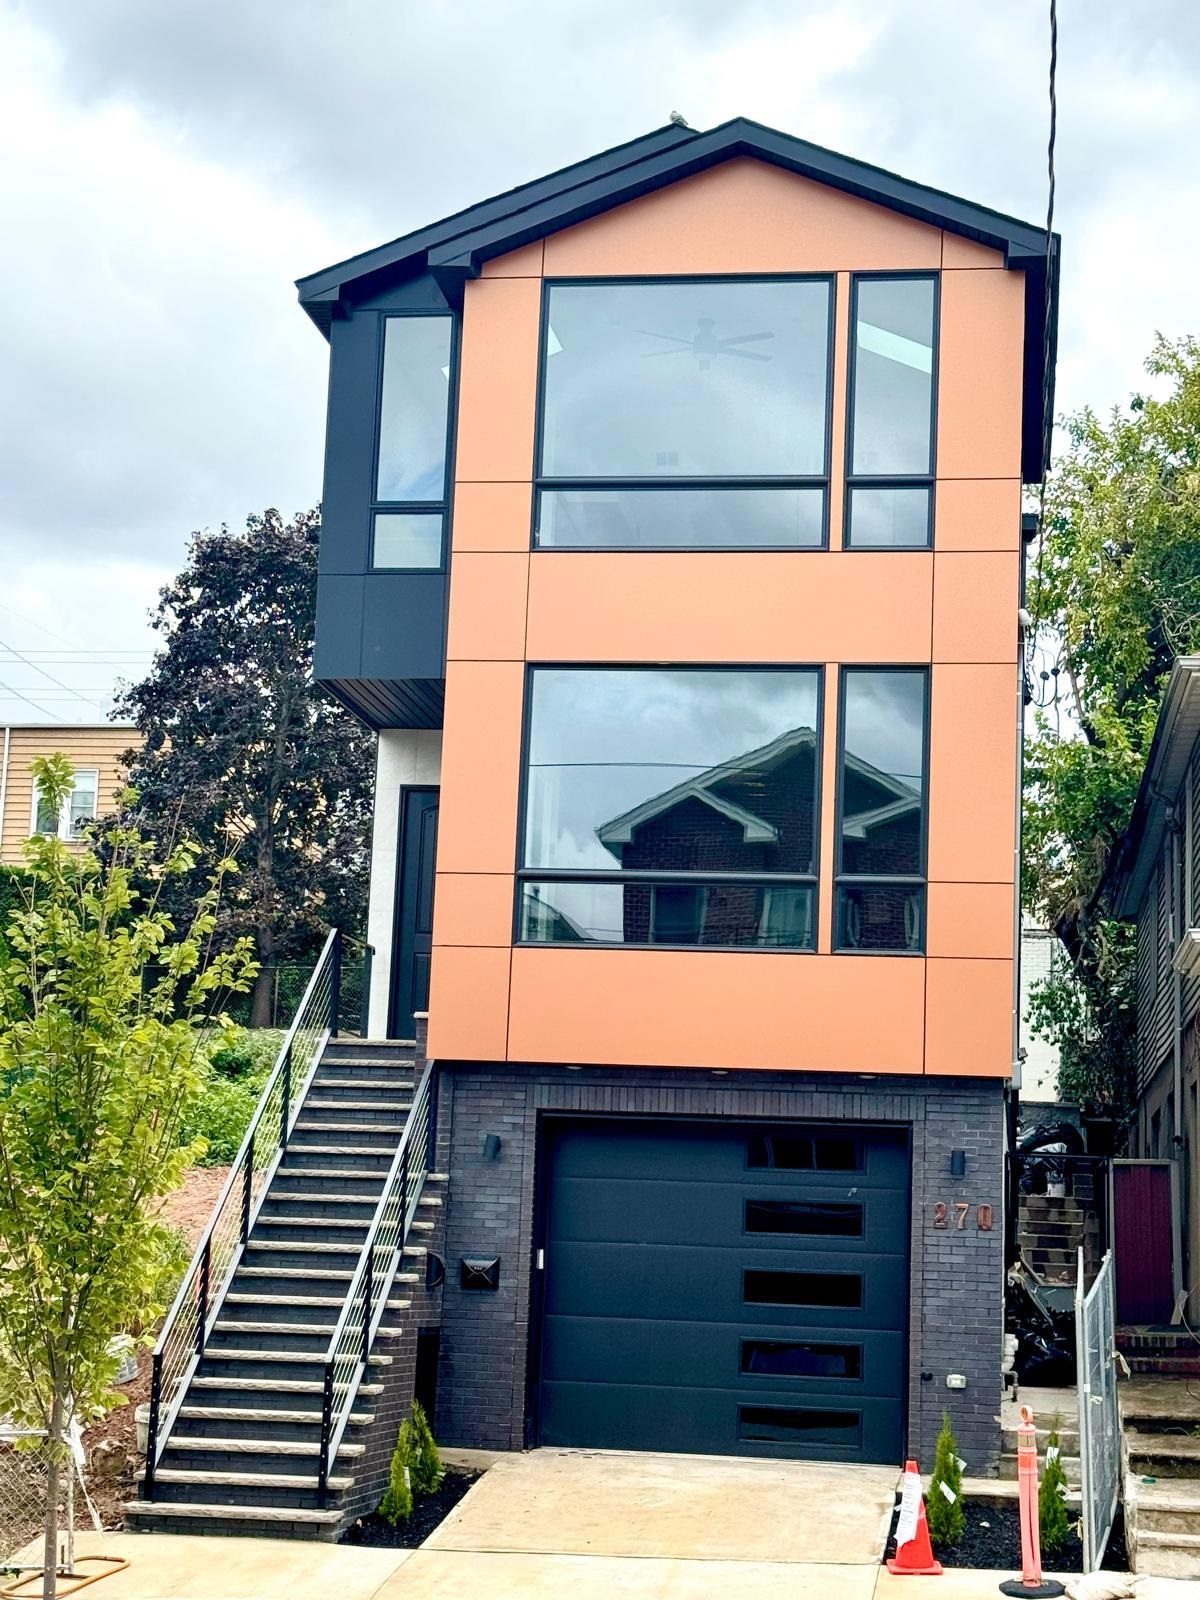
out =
column 714, row 388
column 880, row 899
column 414, row 412
column 890, row 466
column 78, row 809
column 671, row 806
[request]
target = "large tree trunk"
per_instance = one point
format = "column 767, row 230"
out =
column 264, row 934
column 53, row 1475
column 260, row 1006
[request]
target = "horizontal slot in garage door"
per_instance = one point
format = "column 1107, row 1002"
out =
column 729, row 1289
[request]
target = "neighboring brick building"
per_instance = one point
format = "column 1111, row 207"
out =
column 96, row 749
column 672, row 544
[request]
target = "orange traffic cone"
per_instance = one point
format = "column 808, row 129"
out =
column 914, row 1553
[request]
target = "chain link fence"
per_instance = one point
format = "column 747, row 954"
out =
column 288, row 983
column 24, row 1472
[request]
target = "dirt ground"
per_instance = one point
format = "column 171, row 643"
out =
column 113, row 1463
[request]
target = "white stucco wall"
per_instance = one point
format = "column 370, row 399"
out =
column 406, row 757
column 1040, row 950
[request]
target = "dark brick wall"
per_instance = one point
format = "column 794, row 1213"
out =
column 957, row 1277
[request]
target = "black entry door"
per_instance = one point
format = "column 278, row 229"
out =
column 734, row 1289
column 413, row 937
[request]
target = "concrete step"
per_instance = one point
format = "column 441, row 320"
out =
column 1071, row 1466
column 1167, row 1555
column 269, row 1386
column 267, row 1447
column 1163, row 1455
column 158, row 1511
column 358, row 1419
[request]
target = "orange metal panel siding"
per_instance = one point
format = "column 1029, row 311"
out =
column 717, row 1009
column 968, row 1017
column 979, row 378
column 760, row 606
column 973, row 774
column 498, row 380
column 491, row 516
column 971, row 621
column 743, row 216
column 955, row 608
column 978, row 514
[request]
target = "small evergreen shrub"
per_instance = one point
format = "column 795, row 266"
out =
column 1053, row 1520
column 944, row 1514
column 426, row 1469
column 397, row 1503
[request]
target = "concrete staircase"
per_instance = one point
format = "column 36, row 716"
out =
column 1160, row 1352
column 1046, row 1404
column 242, row 1455
column 1161, row 1420
column 1050, row 1230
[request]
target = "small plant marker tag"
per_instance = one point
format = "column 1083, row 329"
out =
column 948, row 1492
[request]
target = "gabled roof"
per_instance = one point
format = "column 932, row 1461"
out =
column 1176, row 737
column 455, row 248
column 756, row 830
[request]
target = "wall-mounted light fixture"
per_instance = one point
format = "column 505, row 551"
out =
column 958, row 1163
column 491, row 1146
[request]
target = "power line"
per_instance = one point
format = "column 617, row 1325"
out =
column 49, row 676
column 8, row 689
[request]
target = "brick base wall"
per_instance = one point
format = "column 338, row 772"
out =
column 957, row 1275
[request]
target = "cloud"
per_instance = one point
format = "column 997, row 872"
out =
column 180, row 164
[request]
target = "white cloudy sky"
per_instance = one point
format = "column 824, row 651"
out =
column 172, row 165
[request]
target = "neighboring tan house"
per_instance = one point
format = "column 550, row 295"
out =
column 1155, row 881
column 96, row 750
column 687, row 451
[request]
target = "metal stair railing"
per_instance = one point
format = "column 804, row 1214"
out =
column 346, row 1359
column 219, row 1253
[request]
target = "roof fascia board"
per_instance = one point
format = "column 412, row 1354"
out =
column 329, row 280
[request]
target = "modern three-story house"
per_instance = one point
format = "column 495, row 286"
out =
column 672, row 544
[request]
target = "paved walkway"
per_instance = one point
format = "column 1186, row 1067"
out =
column 588, row 1524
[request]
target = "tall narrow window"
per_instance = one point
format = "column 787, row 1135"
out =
column 414, row 411
column 881, row 809
column 78, row 809
column 685, row 415
column 889, row 491
column 671, row 806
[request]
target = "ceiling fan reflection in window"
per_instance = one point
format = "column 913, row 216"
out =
column 704, row 344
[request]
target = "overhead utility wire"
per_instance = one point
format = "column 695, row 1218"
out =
column 89, row 700
column 1047, row 343
column 7, row 688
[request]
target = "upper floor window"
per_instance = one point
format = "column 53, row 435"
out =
column 685, row 414
column 880, row 900
column 414, row 415
column 889, row 493
column 671, row 806
column 78, row 809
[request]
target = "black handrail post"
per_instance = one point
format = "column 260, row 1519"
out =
column 432, row 1128
column 326, row 1431
column 205, row 1269
column 152, row 1431
column 286, row 1102
column 364, row 1021
column 368, row 1296
column 403, row 1199
column 335, row 984
column 247, row 1189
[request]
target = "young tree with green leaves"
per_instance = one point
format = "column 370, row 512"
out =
column 1054, row 1523
column 103, row 1003
column 242, row 747
column 944, row 1511
column 1115, row 592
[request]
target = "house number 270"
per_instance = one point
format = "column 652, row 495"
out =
column 962, row 1210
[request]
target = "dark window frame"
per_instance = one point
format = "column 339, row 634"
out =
column 814, row 1202
column 819, row 481
column 927, row 480
column 917, row 880
column 523, row 874
column 441, row 506
column 811, row 1340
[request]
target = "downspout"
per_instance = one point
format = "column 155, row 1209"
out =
column 4, row 782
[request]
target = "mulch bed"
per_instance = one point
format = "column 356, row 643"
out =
column 428, row 1512
column 992, row 1539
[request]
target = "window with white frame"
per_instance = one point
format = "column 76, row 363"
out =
column 78, row 809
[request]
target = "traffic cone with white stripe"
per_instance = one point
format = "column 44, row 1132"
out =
column 914, row 1553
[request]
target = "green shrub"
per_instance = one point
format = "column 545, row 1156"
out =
column 1053, row 1520
column 426, row 1467
column 945, row 1514
column 397, row 1503
column 247, row 1052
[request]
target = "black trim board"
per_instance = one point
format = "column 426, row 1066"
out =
column 455, row 249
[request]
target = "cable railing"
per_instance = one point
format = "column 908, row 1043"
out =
column 366, row 1299
column 190, row 1320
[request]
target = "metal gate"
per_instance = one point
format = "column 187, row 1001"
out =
column 1099, row 1424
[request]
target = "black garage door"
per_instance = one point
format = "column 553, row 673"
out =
column 735, row 1290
